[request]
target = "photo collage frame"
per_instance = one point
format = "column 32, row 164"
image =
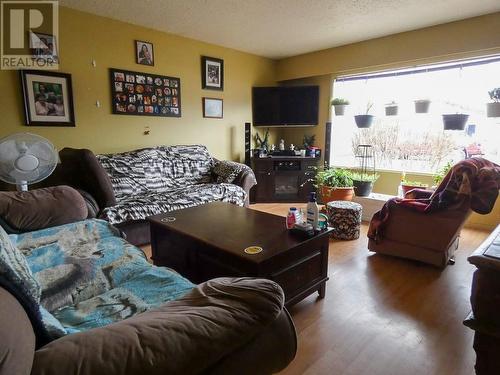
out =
column 145, row 94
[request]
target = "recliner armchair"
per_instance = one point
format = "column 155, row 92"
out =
column 425, row 225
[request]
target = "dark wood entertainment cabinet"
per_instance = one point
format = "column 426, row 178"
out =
column 282, row 178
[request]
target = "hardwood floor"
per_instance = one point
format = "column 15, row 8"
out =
column 384, row 315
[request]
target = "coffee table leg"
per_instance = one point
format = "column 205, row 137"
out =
column 322, row 291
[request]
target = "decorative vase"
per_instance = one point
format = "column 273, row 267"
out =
column 391, row 110
column 329, row 194
column 362, row 188
column 422, row 106
column 363, row 121
column 339, row 109
column 455, row 121
column 493, row 109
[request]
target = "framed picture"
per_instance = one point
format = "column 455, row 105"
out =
column 144, row 53
column 144, row 94
column 44, row 46
column 213, row 108
column 212, row 73
column 48, row 98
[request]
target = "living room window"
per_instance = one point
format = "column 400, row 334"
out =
column 417, row 142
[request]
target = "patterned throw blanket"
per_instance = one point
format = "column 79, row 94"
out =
column 475, row 181
column 91, row 277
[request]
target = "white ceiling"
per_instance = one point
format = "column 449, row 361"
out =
column 282, row 28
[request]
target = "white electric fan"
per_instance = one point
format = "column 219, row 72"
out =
column 25, row 159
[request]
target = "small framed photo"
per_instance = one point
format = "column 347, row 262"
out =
column 44, row 46
column 213, row 108
column 144, row 53
column 48, row 98
column 212, row 73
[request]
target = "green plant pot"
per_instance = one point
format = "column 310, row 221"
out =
column 422, row 106
column 391, row 110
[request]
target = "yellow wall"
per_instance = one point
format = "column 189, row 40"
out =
column 476, row 36
column 468, row 38
column 84, row 37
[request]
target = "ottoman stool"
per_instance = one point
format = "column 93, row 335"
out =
column 345, row 219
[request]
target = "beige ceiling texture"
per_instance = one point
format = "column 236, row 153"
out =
column 282, row 28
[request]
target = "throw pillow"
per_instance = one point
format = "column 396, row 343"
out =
column 227, row 171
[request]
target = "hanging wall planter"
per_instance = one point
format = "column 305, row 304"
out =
column 364, row 121
column 339, row 106
column 391, row 109
column 455, row 121
column 493, row 109
column 422, row 106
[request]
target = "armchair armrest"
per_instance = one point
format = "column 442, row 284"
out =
column 419, row 194
column 235, row 173
column 190, row 335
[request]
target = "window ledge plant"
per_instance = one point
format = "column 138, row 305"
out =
column 339, row 105
column 493, row 108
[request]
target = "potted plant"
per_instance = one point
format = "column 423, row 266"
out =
column 422, row 105
column 339, row 105
column 334, row 184
column 407, row 185
column 493, row 109
column 262, row 143
column 363, row 183
column 391, row 109
column 455, row 121
column 438, row 177
column 364, row 121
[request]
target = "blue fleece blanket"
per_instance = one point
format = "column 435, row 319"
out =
column 90, row 276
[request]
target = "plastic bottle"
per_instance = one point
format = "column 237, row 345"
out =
column 312, row 211
column 291, row 218
column 400, row 187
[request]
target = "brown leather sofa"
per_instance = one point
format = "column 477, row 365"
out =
column 485, row 301
column 426, row 237
column 80, row 169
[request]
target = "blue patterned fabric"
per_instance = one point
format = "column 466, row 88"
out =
column 90, row 276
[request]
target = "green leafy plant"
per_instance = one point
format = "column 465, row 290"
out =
column 334, row 177
column 367, row 177
column 308, row 140
column 263, row 143
column 340, row 101
column 442, row 172
column 495, row 94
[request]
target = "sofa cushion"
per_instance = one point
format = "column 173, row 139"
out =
column 227, row 171
column 42, row 208
column 157, row 169
column 91, row 277
column 143, row 205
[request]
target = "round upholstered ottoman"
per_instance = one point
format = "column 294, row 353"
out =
column 345, row 219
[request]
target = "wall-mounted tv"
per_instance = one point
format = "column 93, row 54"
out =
column 285, row 106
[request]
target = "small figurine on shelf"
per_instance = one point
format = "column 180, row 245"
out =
column 292, row 147
column 282, row 145
column 273, row 147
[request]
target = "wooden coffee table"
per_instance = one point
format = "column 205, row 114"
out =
column 208, row 241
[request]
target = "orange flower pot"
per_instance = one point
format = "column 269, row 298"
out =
column 329, row 194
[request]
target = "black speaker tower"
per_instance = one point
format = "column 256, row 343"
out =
column 248, row 142
column 328, row 139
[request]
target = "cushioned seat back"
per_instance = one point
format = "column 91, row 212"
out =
column 157, row 169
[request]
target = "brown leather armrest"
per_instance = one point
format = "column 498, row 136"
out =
column 246, row 180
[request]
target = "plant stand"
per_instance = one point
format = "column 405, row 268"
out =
column 366, row 156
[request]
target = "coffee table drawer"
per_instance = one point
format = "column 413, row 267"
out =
column 300, row 275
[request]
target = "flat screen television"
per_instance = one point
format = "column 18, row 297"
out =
column 285, row 106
